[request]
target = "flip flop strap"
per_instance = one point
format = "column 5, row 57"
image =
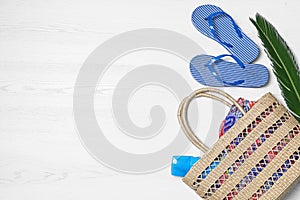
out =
column 214, row 73
column 213, row 31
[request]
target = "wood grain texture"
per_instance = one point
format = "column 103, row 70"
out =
column 42, row 47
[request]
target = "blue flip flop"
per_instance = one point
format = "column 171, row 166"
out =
column 213, row 22
column 213, row 71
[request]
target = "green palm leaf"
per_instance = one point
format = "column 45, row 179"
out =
column 283, row 62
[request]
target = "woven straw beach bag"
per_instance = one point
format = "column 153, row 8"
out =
column 258, row 158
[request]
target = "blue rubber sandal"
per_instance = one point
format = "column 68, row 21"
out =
column 213, row 71
column 213, row 22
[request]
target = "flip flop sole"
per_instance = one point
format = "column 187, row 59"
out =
column 254, row 75
column 243, row 48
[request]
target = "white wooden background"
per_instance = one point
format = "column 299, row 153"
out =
column 42, row 47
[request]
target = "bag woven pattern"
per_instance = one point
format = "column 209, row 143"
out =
column 258, row 158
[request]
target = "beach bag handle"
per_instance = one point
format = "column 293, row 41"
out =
column 183, row 108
